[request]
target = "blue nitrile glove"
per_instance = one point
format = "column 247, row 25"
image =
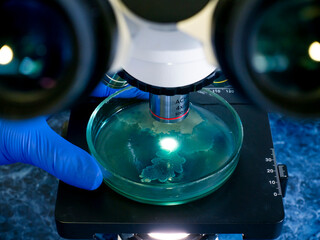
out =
column 103, row 91
column 34, row 142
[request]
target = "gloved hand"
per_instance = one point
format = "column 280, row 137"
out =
column 34, row 142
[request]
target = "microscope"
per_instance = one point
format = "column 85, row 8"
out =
column 54, row 53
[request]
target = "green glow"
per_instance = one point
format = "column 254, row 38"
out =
column 169, row 144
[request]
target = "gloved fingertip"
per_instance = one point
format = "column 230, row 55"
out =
column 96, row 182
column 133, row 93
column 102, row 91
column 67, row 162
column 89, row 175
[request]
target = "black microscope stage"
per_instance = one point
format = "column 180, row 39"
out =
column 250, row 202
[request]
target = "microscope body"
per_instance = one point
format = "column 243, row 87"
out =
column 164, row 47
column 166, row 60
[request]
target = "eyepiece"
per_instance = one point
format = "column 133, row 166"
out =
column 51, row 53
column 271, row 49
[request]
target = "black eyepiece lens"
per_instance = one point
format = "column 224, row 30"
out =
column 35, row 47
column 284, row 52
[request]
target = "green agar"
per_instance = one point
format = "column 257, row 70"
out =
column 164, row 168
column 135, row 146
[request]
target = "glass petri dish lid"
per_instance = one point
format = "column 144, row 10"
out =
column 165, row 163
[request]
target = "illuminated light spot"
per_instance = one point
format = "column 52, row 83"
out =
column 48, row 83
column 314, row 51
column 6, row 55
column 29, row 67
column 168, row 236
column 260, row 63
column 168, row 144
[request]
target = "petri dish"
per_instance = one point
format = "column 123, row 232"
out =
column 160, row 163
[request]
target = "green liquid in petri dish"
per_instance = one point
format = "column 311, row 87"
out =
column 143, row 150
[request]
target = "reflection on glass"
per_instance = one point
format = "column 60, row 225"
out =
column 265, row 64
column 169, row 144
column 314, row 51
column 29, row 67
column 6, row 55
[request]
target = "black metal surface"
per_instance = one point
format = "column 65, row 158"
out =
column 247, row 203
column 283, row 176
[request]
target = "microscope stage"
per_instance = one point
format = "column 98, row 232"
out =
column 250, row 202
